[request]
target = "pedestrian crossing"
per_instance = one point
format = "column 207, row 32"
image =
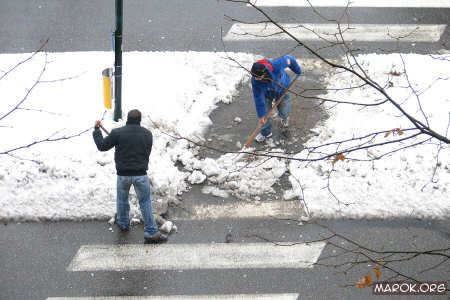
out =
column 353, row 3
column 195, row 256
column 275, row 209
column 177, row 257
column 329, row 32
column 203, row 256
column 225, row 256
column 290, row 296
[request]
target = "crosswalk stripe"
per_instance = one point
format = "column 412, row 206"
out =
column 195, row 256
column 245, row 210
column 354, row 3
column 356, row 32
column 287, row 296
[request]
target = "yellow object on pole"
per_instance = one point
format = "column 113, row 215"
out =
column 107, row 87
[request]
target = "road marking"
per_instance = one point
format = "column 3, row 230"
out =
column 357, row 32
column 245, row 210
column 288, row 296
column 195, row 256
column 354, row 3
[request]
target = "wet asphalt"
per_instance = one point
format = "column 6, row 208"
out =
column 34, row 256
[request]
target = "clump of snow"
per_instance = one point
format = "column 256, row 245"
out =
column 167, row 227
column 197, row 177
column 242, row 174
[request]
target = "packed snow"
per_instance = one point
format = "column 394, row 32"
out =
column 70, row 179
column 404, row 182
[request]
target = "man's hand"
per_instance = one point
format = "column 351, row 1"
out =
column 98, row 124
column 262, row 121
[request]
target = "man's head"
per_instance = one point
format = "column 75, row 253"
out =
column 260, row 72
column 134, row 116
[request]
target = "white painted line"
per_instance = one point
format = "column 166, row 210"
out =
column 354, row 3
column 322, row 32
column 291, row 296
column 194, row 256
column 277, row 209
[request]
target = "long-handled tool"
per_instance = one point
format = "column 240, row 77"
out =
column 267, row 116
column 103, row 128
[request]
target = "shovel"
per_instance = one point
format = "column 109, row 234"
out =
column 255, row 132
column 104, row 129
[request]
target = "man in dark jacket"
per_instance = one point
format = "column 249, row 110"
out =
column 269, row 80
column 133, row 145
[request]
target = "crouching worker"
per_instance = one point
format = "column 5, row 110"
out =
column 269, row 80
column 133, row 145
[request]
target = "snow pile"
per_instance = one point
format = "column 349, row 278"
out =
column 176, row 92
column 71, row 179
column 403, row 183
column 239, row 174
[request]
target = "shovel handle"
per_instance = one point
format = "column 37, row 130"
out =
column 103, row 128
column 255, row 132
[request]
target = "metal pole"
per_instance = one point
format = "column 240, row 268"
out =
column 118, row 61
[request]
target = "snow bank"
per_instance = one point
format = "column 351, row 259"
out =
column 401, row 184
column 176, row 91
column 71, row 179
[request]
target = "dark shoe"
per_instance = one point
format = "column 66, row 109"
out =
column 123, row 229
column 158, row 239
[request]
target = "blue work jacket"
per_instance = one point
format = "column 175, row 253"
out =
column 280, row 80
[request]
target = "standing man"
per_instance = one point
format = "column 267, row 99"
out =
column 269, row 80
column 133, row 145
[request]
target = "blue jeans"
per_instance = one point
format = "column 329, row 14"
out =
column 284, row 110
column 142, row 187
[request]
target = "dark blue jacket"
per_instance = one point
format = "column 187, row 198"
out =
column 133, row 146
column 272, row 90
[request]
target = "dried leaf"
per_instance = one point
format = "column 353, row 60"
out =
column 361, row 284
column 368, row 279
column 364, row 282
column 377, row 271
column 394, row 131
column 395, row 73
column 399, row 131
column 388, row 133
column 338, row 157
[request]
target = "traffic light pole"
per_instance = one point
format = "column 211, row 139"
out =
column 118, row 61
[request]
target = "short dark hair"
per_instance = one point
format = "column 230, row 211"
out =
column 134, row 114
